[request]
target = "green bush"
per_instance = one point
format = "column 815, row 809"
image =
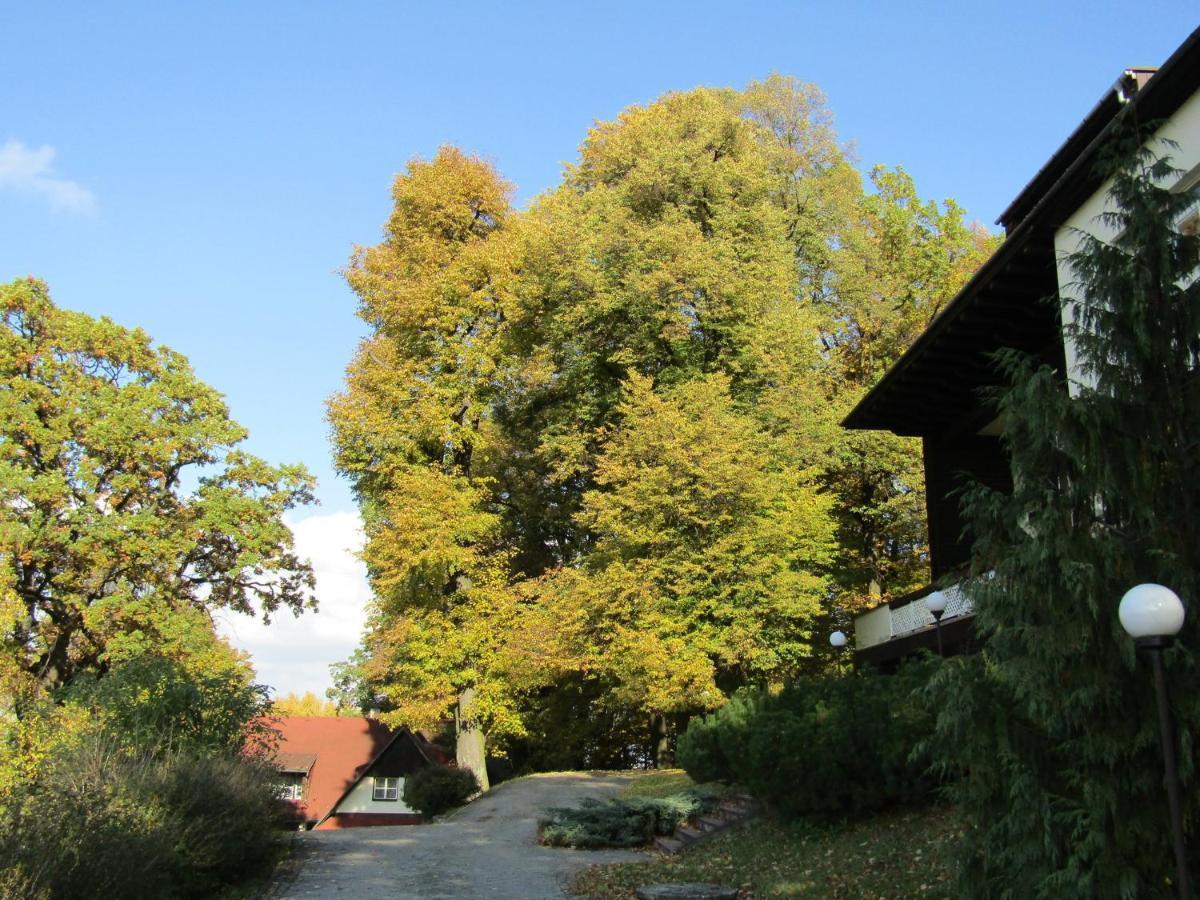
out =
column 437, row 789
column 628, row 822
column 825, row 744
column 102, row 823
column 707, row 749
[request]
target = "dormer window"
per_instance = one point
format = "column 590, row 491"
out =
column 292, row 786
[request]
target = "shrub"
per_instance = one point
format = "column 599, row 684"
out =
column 434, row 790
column 825, row 744
column 706, row 750
column 628, row 822
column 106, row 824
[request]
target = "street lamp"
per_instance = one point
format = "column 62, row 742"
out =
column 936, row 604
column 837, row 640
column 1153, row 615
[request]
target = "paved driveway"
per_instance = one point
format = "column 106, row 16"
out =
column 486, row 849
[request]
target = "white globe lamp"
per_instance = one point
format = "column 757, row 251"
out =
column 1151, row 611
column 1153, row 615
column 936, row 604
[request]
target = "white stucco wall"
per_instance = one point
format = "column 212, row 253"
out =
column 359, row 800
column 1184, row 129
column 874, row 627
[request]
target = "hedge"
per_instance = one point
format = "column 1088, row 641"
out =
column 824, row 744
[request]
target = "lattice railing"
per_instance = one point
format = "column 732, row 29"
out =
column 915, row 616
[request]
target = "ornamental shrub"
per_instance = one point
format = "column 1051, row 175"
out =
column 706, row 750
column 100, row 822
column 623, row 822
column 825, row 744
column 438, row 789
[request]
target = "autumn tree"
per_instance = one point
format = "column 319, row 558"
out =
column 414, row 433
column 306, row 704
column 125, row 496
column 711, row 261
column 899, row 261
column 709, row 560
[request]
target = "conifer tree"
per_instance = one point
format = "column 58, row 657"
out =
column 1052, row 729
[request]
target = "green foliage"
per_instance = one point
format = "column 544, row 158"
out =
column 825, row 744
column 99, row 542
column 437, row 789
column 595, row 441
column 106, row 824
column 154, row 705
column 570, row 726
column 709, row 748
column 623, row 822
column 1051, row 733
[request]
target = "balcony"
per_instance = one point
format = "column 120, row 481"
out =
column 908, row 622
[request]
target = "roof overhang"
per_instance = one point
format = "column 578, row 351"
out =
column 934, row 387
column 294, row 763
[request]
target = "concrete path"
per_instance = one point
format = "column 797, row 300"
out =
column 486, row 849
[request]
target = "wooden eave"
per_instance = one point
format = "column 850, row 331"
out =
column 934, row 387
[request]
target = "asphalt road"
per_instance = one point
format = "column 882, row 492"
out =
column 486, row 849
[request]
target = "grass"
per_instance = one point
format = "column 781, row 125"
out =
column 893, row 855
column 658, row 783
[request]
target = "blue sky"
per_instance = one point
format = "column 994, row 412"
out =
column 204, row 169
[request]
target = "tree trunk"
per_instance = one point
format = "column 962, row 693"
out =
column 660, row 740
column 470, row 746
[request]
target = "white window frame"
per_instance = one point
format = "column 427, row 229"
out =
column 385, row 789
column 291, row 790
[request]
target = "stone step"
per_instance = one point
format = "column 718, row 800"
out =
column 737, row 812
column 681, row 891
column 688, row 834
column 739, row 803
column 667, row 845
column 712, row 823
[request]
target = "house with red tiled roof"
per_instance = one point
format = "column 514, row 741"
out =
column 348, row 772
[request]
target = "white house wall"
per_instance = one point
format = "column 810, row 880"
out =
column 1184, row 129
column 872, row 628
column 359, row 801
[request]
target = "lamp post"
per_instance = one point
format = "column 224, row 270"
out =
column 837, row 640
column 1153, row 615
column 936, row 604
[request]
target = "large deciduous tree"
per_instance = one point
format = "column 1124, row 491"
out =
column 595, row 441
column 123, row 497
column 414, row 432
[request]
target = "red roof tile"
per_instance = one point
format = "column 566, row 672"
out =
column 342, row 746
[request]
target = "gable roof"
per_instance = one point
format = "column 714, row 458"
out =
column 400, row 733
column 342, row 749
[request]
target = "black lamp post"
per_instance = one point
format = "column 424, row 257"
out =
column 936, row 604
column 1153, row 615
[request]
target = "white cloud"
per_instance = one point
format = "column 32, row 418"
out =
column 294, row 653
column 31, row 171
